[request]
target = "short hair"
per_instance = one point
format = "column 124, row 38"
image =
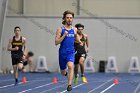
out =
column 16, row 28
column 64, row 15
column 30, row 54
column 79, row 25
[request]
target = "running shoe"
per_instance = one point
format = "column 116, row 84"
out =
column 84, row 80
column 76, row 80
column 16, row 83
column 69, row 88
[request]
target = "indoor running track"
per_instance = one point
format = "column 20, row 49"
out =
column 97, row 83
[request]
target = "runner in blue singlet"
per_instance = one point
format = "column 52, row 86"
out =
column 65, row 36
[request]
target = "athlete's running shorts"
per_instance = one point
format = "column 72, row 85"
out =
column 77, row 57
column 64, row 59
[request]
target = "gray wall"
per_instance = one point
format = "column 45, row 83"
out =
column 108, row 37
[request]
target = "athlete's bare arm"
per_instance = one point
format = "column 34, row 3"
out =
column 58, row 37
column 24, row 46
column 9, row 47
column 87, row 42
column 77, row 39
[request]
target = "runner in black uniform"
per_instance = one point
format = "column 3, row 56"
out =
column 16, row 46
column 80, row 53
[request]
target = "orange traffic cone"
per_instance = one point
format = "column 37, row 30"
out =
column 24, row 80
column 116, row 81
column 54, row 80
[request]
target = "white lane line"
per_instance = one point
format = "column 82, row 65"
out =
column 135, row 91
column 73, row 87
column 53, row 88
column 107, row 88
column 10, row 85
column 36, row 87
column 6, row 80
column 100, row 86
column 6, row 86
column 78, row 85
column 20, row 83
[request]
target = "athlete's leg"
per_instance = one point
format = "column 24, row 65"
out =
column 76, row 67
column 64, row 72
column 81, row 62
column 15, row 73
column 70, row 64
column 76, row 76
column 70, row 75
column 62, row 64
column 20, row 66
column 15, row 68
column 20, row 63
column 70, row 72
column 76, row 64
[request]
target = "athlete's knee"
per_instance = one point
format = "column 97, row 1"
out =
column 63, row 72
column 20, row 66
column 70, row 65
column 81, row 62
column 15, row 70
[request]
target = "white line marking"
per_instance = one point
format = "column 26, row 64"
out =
column 78, row 85
column 73, row 87
column 35, row 88
column 19, row 83
column 63, row 91
column 7, row 86
column 135, row 91
column 7, row 80
column 107, row 88
column 53, row 88
column 100, row 86
column 10, row 85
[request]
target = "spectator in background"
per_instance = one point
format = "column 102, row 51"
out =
column 28, row 59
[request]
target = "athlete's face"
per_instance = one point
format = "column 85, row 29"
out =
column 79, row 30
column 17, row 31
column 69, row 19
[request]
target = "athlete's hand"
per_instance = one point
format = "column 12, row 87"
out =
column 81, row 44
column 87, row 49
column 16, row 48
column 66, row 33
column 23, row 57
